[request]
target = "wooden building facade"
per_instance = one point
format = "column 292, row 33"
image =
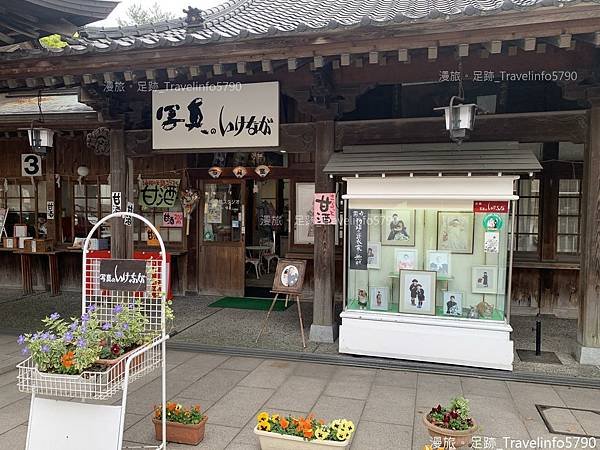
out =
column 347, row 78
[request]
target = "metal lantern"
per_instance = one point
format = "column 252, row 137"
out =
column 41, row 139
column 459, row 118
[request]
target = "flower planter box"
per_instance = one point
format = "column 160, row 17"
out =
column 116, row 367
column 276, row 441
column 181, row 433
column 459, row 438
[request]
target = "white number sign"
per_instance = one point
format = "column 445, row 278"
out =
column 31, row 165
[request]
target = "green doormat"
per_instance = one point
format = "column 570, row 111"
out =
column 260, row 304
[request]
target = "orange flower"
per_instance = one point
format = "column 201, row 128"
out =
column 67, row 359
column 157, row 413
column 284, row 423
column 171, row 406
column 308, row 433
column 197, row 408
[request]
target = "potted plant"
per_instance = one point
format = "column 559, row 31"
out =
column 451, row 425
column 276, row 432
column 184, row 425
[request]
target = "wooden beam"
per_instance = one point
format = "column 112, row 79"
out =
column 591, row 38
column 528, row 44
column 432, row 53
column 463, row 50
column 118, row 183
column 494, row 47
column 562, row 41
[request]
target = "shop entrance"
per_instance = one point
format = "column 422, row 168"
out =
column 266, row 239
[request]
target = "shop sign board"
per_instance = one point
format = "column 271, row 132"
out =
column 324, row 209
column 485, row 206
column 123, row 275
column 232, row 115
column 172, row 219
column 358, row 234
column 159, row 193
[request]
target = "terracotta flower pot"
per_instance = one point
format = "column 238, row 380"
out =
column 276, row 441
column 461, row 438
column 119, row 372
column 181, row 433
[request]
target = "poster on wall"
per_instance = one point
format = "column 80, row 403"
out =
column 455, row 231
column 491, row 242
column 325, row 209
column 304, row 228
column 214, row 211
column 172, row 219
column 358, row 231
column 216, row 116
column 159, row 193
column 398, row 227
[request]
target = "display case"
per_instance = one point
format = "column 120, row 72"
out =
column 428, row 269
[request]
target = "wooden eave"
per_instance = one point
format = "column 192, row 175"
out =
column 575, row 20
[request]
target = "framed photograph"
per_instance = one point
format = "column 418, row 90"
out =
column 379, row 298
column 20, row 230
column 439, row 261
column 491, row 242
column 374, row 255
column 455, row 231
column 304, row 229
column 398, row 227
column 417, row 291
column 453, row 303
column 363, row 298
column 406, row 258
column 484, row 279
column 289, row 276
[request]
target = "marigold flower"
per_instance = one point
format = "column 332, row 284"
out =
column 308, row 433
column 284, row 423
column 262, row 416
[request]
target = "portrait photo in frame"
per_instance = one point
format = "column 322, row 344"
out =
column 417, row 292
column 455, row 231
column 398, row 227
column 453, row 303
column 373, row 255
column 289, row 276
column 439, row 261
column 484, row 279
column 379, row 298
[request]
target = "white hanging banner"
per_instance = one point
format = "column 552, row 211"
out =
column 50, row 210
column 229, row 115
column 115, row 202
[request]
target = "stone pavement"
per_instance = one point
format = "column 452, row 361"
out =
column 386, row 405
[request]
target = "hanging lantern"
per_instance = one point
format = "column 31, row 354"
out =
column 240, row 171
column 460, row 119
column 215, row 172
column 41, row 139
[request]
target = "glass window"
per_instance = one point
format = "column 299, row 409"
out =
column 569, row 203
column 427, row 262
column 169, row 234
column 527, row 229
column 222, row 212
column 27, row 205
column 87, row 212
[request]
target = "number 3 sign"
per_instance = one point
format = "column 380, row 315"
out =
column 31, row 165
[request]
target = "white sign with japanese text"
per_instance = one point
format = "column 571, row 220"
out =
column 228, row 115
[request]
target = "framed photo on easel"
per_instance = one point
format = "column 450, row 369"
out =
column 289, row 276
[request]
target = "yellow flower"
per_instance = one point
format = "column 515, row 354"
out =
column 264, row 426
column 178, row 407
column 321, row 434
column 336, row 424
column 275, row 417
column 350, row 426
column 342, row 435
column 262, row 417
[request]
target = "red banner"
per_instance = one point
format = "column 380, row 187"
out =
column 485, row 206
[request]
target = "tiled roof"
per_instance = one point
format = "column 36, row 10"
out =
column 246, row 19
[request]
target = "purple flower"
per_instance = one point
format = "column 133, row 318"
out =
column 119, row 334
column 73, row 326
column 21, row 340
column 45, row 335
column 91, row 308
column 45, row 348
column 52, row 336
column 106, row 326
column 81, row 343
column 85, row 317
column 24, row 351
column 117, row 309
column 36, row 336
column 68, row 337
column 125, row 326
column 55, row 316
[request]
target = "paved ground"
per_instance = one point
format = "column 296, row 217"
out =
column 387, row 405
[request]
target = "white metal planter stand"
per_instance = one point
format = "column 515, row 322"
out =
column 61, row 424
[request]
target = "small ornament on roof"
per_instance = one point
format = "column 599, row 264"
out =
column 194, row 19
column 99, row 141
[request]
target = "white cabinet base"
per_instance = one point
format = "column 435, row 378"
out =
column 443, row 340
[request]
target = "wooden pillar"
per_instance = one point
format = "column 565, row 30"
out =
column 323, row 328
column 588, row 333
column 52, row 226
column 129, row 198
column 118, row 183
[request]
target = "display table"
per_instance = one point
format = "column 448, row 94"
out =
column 445, row 340
column 26, row 274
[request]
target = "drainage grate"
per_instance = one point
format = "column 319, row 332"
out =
column 544, row 357
column 570, row 421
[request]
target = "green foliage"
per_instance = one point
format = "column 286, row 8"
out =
column 53, row 41
column 457, row 416
column 180, row 414
column 138, row 14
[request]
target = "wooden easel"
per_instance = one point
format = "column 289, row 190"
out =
column 287, row 298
